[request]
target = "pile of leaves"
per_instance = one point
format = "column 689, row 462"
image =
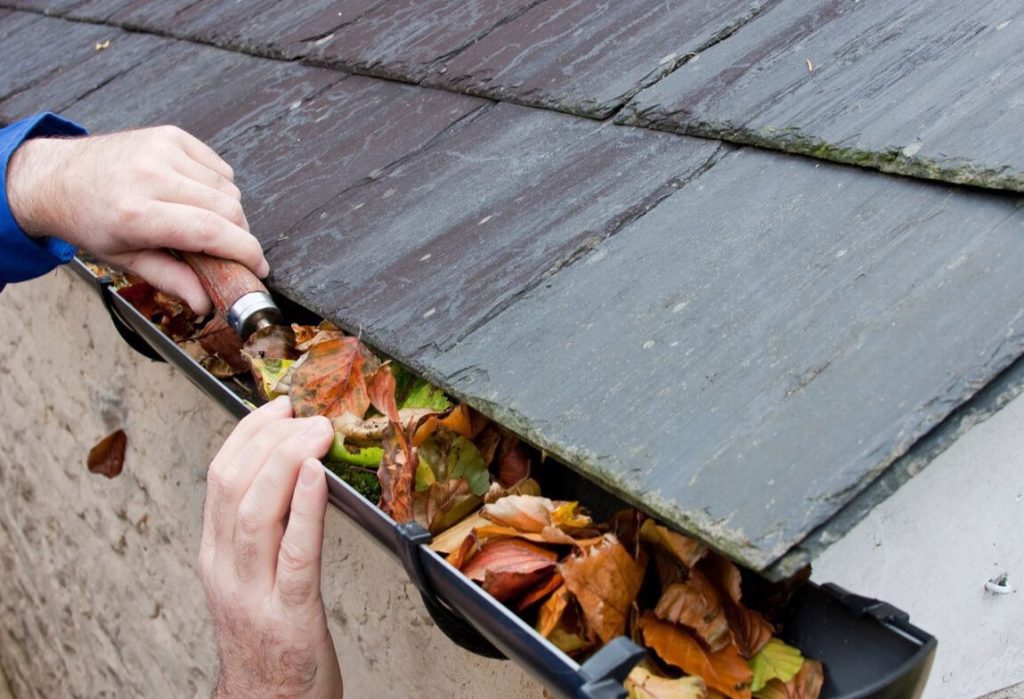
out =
column 470, row 483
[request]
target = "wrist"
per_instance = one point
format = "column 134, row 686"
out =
column 32, row 186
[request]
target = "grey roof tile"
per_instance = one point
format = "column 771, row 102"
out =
column 925, row 88
column 748, row 355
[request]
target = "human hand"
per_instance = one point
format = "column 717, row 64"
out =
column 127, row 197
column 261, row 575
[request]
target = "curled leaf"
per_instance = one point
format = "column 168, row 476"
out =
column 450, row 456
column 559, row 621
column 370, row 431
column 697, row 605
column 382, row 393
column 306, row 336
column 444, row 503
column 510, row 568
column 683, row 549
column 750, row 630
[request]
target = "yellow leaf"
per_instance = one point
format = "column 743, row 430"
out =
column 775, row 661
column 644, row 685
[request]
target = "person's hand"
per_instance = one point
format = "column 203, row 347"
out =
column 127, row 197
column 259, row 559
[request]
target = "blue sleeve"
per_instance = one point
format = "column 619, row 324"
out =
column 21, row 256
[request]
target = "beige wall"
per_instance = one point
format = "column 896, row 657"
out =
column 98, row 591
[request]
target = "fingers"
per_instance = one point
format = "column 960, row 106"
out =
column 193, row 169
column 196, row 229
column 171, row 275
column 298, row 563
column 202, row 153
column 222, row 493
column 183, row 190
column 262, row 510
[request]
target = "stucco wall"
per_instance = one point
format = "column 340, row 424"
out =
column 98, row 591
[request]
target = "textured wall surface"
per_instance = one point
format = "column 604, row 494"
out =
column 98, row 591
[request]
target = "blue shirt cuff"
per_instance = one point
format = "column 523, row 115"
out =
column 21, row 256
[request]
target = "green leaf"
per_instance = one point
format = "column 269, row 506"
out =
column 422, row 395
column 775, row 660
column 365, row 456
column 452, row 456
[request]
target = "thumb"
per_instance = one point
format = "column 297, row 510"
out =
column 169, row 274
column 298, row 562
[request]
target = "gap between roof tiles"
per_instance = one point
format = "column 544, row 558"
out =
column 342, row 25
column 624, row 220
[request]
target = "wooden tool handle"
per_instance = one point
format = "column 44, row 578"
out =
column 225, row 281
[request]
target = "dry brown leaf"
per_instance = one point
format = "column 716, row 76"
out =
column 444, row 503
column 725, row 670
column 381, row 391
column 683, row 549
column 220, row 340
column 107, row 457
column 605, row 580
column 308, row 335
column 451, row 539
column 497, row 491
column 397, row 474
column 751, row 631
column 805, row 685
column 331, row 379
column 558, row 620
column 697, row 605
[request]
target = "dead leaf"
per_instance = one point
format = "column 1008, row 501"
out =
column 559, row 621
column 220, row 340
column 370, row 431
column 331, row 379
column 169, row 312
column 725, row 670
column 271, row 355
column 308, row 335
column 397, row 474
column 382, row 393
column 642, row 684
column 508, row 568
column 683, row 549
column 107, row 457
column 751, row 631
column 605, row 580
column 451, row 539
column 806, row 685
column 497, row 491
column 513, row 462
column 697, row 605
column 540, row 592
column 444, row 503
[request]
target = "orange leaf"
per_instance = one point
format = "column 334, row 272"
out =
column 558, row 621
column 308, row 335
column 697, row 605
column 724, row 670
column 605, row 580
column 331, row 379
column 683, row 549
column 107, row 457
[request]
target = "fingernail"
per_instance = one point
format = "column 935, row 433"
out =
column 280, row 402
column 311, row 471
column 321, row 427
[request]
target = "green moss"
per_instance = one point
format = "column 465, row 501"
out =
column 363, row 479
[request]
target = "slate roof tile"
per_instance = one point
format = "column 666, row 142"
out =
column 588, row 58
column 929, row 89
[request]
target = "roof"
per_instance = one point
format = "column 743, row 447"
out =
column 587, row 219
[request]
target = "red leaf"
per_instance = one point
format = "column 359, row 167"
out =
column 107, row 457
column 540, row 592
column 382, row 393
column 331, row 379
column 509, row 554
